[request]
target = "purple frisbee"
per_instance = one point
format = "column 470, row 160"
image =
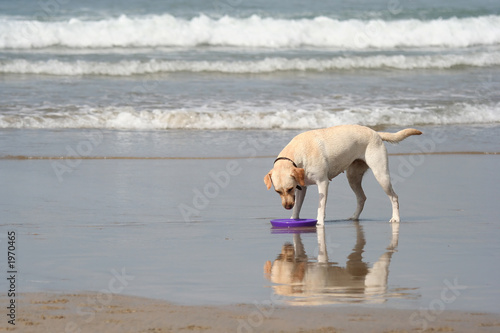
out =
column 289, row 223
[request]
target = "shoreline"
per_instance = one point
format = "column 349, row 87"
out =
column 99, row 312
column 25, row 157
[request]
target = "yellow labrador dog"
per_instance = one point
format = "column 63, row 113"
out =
column 317, row 156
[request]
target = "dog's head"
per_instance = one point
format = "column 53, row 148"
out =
column 286, row 269
column 285, row 177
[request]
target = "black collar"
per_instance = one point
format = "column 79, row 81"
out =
column 295, row 165
column 285, row 158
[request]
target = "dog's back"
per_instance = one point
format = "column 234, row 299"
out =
column 332, row 149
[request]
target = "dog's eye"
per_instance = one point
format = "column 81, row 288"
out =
column 289, row 190
column 279, row 192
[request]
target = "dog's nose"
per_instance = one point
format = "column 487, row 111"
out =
column 289, row 206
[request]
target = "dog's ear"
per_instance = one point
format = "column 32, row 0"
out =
column 299, row 174
column 267, row 180
column 268, row 267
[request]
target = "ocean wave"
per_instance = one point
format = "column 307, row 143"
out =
column 267, row 65
column 129, row 118
column 255, row 31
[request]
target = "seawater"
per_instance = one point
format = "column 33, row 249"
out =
column 235, row 64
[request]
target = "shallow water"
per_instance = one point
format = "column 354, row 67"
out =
column 138, row 151
column 197, row 231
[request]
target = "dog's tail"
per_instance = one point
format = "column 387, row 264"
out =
column 399, row 136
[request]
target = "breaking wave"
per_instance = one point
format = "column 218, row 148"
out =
column 267, row 65
column 255, row 31
column 129, row 118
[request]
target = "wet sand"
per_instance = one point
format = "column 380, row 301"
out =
column 81, row 313
column 168, row 245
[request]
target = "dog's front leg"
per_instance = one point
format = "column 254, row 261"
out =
column 323, row 195
column 299, row 199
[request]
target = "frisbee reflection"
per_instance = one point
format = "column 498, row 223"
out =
column 306, row 281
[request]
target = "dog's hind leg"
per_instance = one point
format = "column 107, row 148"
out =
column 377, row 160
column 299, row 199
column 355, row 174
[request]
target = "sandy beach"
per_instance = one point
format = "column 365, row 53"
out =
column 128, row 240
column 135, row 136
column 81, row 313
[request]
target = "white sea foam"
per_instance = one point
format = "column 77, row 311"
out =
column 254, row 31
column 267, row 65
column 129, row 118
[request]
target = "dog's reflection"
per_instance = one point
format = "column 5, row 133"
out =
column 323, row 281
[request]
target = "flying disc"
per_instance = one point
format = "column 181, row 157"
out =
column 288, row 223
